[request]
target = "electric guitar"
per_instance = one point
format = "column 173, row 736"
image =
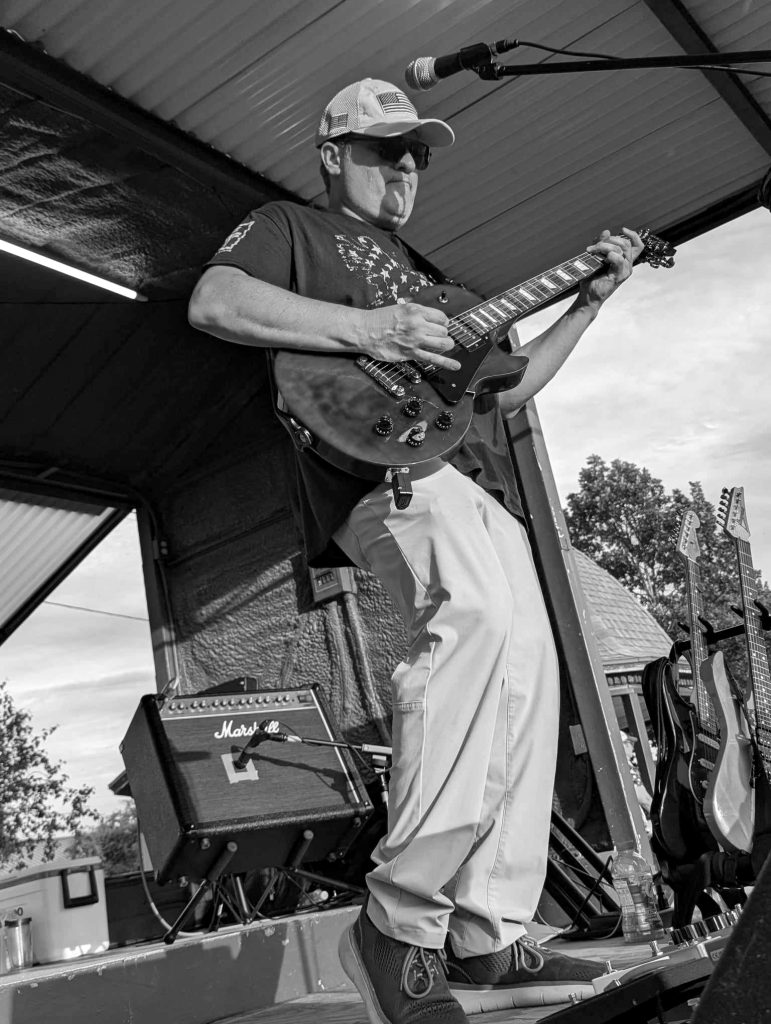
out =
column 368, row 417
column 720, row 775
column 703, row 720
column 733, row 809
column 732, row 516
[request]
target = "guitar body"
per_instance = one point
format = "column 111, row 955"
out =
column 341, row 404
column 729, row 803
column 702, row 761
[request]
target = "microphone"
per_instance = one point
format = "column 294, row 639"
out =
column 266, row 730
column 424, row 72
column 270, row 731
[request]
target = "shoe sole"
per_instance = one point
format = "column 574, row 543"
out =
column 354, row 968
column 478, row 999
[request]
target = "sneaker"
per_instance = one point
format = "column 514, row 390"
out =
column 523, row 974
column 399, row 983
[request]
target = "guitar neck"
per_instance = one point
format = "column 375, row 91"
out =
column 756, row 648
column 704, row 707
column 476, row 322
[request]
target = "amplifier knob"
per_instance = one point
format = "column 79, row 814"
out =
column 416, row 437
column 384, row 426
column 444, row 420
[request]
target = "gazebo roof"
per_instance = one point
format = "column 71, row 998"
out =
column 627, row 635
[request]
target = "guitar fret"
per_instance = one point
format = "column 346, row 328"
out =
column 760, row 674
column 705, row 710
column 499, row 310
column 478, row 314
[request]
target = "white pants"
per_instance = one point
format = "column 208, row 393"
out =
column 475, row 716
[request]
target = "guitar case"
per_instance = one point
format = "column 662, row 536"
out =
column 690, row 859
column 680, row 833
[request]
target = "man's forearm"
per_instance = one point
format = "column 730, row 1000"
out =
column 248, row 311
column 547, row 353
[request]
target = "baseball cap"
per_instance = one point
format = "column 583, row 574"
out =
column 379, row 109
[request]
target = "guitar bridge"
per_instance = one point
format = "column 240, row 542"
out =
column 387, row 375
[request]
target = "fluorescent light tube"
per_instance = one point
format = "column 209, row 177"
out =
column 62, row 268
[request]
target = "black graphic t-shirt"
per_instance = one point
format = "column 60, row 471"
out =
column 335, row 258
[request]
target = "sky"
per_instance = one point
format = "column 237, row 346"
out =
column 673, row 376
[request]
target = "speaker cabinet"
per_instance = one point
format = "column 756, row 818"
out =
column 193, row 797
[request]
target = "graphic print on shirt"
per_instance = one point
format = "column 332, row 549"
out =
column 387, row 278
column 236, row 235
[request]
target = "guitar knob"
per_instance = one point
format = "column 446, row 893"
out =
column 444, row 420
column 416, row 437
column 412, row 407
column 384, row 426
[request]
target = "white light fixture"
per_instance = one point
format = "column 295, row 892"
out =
column 62, row 268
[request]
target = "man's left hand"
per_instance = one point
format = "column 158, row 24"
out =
column 620, row 252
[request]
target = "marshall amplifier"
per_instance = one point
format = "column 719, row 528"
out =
column 205, row 778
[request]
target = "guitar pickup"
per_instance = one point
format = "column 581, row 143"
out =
column 708, row 741
column 706, row 764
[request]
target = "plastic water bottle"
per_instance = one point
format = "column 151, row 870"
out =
column 633, row 882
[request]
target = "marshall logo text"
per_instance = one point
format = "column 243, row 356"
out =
column 226, row 730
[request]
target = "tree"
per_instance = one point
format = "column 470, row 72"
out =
column 37, row 802
column 114, row 840
column 623, row 518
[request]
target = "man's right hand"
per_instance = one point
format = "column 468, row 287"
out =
column 407, row 331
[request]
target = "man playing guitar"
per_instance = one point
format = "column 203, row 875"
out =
column 475, row 700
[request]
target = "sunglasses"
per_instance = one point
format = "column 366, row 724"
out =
column 392, row 150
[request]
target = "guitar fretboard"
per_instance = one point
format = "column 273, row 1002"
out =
column 470, row 327
column 693, row 592
column 756, row 650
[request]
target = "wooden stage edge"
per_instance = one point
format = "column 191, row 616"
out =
column 270, row 972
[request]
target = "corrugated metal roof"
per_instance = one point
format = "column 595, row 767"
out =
column 543, row 161
column 37, row 536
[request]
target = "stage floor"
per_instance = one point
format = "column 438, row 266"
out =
column 345, row 1007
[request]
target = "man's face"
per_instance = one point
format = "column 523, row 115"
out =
column 374, row 187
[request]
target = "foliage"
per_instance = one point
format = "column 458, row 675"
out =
column 623, row 518
column 37, row 803
column 114, row 840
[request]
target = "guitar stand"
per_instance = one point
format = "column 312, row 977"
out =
column 713, row 636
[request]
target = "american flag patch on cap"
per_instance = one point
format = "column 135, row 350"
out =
column 396, row 103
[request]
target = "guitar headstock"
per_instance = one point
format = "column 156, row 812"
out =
column 657, row 252
column 687, row 541
column 732, row 514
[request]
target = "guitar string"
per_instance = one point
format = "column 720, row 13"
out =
column 705, row 710
column 472, row 319
column 471, row 335
column 756, row 649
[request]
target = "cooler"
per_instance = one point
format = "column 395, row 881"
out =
column 66, row 902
